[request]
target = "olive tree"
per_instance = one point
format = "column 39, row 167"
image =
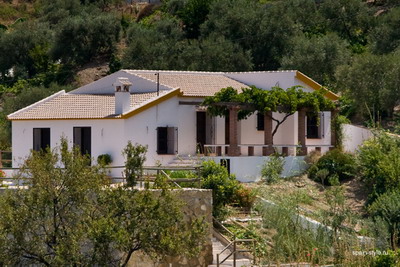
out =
column 68, row 215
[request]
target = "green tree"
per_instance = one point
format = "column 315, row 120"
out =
column 79, row 39
column 373, row 83
column 317, row 56
column 350, row 19
column 385, row 37
column 263, row 30
column 17, row 49
column 74, row 218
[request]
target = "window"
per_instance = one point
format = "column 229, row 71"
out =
column 41, row 138
column 167, row 140
column 83, row 139
column 314, row 130
column 260, row 121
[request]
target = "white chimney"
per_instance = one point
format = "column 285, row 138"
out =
column 122, row 95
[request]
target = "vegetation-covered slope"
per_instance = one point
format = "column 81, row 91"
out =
column 351, row 46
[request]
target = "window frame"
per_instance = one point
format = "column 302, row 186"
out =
column 82, row 137
column 170, row 140
column 42, row 147
column 318, row 128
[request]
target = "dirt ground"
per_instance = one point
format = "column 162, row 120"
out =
column 311, row 195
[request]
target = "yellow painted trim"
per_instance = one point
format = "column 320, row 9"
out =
column 124, row 116
column 63, row 119
column 151, row 104
column 314, row 85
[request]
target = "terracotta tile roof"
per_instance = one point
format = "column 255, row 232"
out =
column 77, row 106
column 198, row 84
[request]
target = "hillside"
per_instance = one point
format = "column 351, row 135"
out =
column 349, row 46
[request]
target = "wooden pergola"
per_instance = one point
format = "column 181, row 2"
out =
column 268, row 148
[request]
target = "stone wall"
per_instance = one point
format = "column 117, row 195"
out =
column 198, row 203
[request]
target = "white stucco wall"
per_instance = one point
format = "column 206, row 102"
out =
column 354, row 136
column 107, row 136
column 248, row 169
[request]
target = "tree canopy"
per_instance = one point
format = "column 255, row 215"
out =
column 68, row 215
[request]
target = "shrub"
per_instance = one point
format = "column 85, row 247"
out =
column 379, row 164
column 387, row 208
column 2, row 174
column 337, row 163
column 224, row 185
column 245, row 197
column 389, row 259
column 135, row 157
column 272, row 169
column 104, row 159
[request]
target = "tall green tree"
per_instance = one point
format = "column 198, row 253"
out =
column 385, row 37
column 317, row 56
column 350, row 19
column 373, row 83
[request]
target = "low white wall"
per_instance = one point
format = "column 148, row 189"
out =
column 354, row 136
column 248, row 169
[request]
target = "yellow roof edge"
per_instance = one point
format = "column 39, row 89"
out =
column 175, row 92
column 314, row 85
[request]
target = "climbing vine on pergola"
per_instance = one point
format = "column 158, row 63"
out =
column 279, row 100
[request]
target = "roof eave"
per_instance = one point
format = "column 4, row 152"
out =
column 314, row 85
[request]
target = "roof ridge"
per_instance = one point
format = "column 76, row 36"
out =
column 37, row 103
column 140, row 76
column 175, row 71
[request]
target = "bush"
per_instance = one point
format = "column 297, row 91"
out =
column 387, row 208
column 135, row 157
column 336, row 163
column 224, row 185
column 379, row 164
column 245, row 197
column 389, row 259
column 104, row 159
column 272, row 169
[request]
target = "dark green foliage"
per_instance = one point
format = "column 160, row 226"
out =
column 224, row 186
column 24, row 48
column 387, row 208
column 337, row 163
column 385, row 38
column 379, row 163
column 389, row 259
column 265, row 31
column 193, row 13
column 373, row 83
column 350, row 19
column 104, row 159
column 162, row 45
column 80, row 38
column 318, row 56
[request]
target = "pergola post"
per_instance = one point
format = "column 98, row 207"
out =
column 234, row 149
column 302, row 131
column 334, row 114
column 268, row 138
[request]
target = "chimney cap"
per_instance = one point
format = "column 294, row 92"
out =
column 122, row 81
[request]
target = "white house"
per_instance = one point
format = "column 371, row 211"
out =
column 161, row 109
